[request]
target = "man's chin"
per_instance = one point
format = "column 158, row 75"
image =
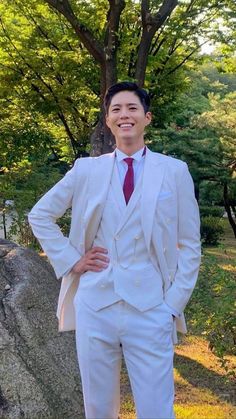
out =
column 128, row 139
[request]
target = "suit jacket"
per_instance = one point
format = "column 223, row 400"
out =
column 170, row 220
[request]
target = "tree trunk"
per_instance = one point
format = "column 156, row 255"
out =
column 228, row 209
column 96, row 139
column 234, row 210
column 105, row 53
column 102, row 141
column 4, row 222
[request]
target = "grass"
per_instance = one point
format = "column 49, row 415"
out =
column 226, row 251
column 203, row 391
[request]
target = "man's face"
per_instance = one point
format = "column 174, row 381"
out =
column 126, row 118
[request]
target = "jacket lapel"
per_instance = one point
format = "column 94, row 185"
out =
column 99, row 180
column 117, row 190
column 154, row 170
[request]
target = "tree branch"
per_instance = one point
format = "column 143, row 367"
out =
column 111, row 41
column 151, row 24
column 84, row 34
column 185, row 59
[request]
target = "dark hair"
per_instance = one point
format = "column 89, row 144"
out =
column 132, row 87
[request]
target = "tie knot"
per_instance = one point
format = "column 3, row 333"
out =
column 129, row 161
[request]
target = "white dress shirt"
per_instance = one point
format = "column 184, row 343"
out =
column 138, row 164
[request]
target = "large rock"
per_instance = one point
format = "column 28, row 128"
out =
column 39, row 376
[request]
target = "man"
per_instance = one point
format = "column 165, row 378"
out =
column 130, row 263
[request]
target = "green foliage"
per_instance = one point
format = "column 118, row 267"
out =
column 212, row 307
column 211, row 193
column 211, row 230
column 50, row 88
column 197, row 148
column 221, row 121
column 24, row 185
column 64, row 223
column 206, row 211
column 201, row 131
column 46, row 78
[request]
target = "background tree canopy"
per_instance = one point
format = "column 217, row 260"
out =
column 58, row 57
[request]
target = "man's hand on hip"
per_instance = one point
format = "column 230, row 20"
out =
column 94, row 260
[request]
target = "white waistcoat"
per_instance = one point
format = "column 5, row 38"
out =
column 130, row 275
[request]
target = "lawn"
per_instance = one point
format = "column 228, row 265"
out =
column 203, row 389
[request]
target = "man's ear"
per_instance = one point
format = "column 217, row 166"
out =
column 148, row 118
column 107, row 120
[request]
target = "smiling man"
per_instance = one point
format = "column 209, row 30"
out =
column 127, row 118
column 130, row 263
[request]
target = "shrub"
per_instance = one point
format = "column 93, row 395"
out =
column 206, row 211
column 64, row 222
column 211, row 311
column 211, row 230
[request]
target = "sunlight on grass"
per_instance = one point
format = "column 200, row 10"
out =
column 229, row 268
column 191, row 394
column 226, row 251
column 200, row 411
column 204, row 411
column 201, row 389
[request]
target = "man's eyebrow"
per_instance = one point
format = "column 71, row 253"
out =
column 129, row 104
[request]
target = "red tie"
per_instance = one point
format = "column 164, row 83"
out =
column 128, row 186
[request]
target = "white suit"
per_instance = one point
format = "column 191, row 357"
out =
column 168, row 231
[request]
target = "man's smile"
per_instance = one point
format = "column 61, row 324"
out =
column 125, row 125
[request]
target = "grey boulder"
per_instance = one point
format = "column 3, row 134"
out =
column 39, row 375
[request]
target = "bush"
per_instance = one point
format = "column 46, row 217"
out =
column 206, row 211
column 211, row 311
column 64, row 223
column 211, row 230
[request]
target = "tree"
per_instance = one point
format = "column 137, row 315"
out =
column 41, row 77
column 61, row 63
column 220, row 123
column 154, row 32
column 201, row 131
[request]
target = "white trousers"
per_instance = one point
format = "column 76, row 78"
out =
column 146, row 339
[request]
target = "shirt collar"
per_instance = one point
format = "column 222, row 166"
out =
column 136, row 156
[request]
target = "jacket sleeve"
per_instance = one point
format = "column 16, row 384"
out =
column 189, row 245
column 43, row 216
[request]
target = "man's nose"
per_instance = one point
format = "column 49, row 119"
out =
column 124, row 113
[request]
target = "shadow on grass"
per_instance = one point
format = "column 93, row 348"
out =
column 201, row 377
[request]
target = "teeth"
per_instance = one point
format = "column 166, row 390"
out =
column 125, row 125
